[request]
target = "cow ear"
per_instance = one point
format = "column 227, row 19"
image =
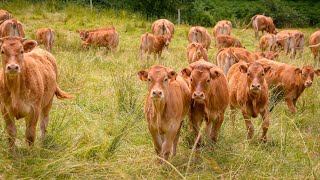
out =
column 143, row 75
column 214, row 73
column 266, row 68
column 298, row 70
column 317, row 72
column 172, row 75
column 186, row 72
column 243, row 68
column 29, row 45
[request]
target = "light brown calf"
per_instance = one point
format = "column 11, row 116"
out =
column 293, row 80
column 224, row 41
column 268, row 42
column 163, row 27
column 222, row 27
column 108, row 39
column 46, row 37
column 85, row 33
column 314, row 45
column 199, row 34
column 291, row 40
column 153, row 44
column 4, row 15
column 167, row 103
column 209, row 92
column 261, row 23
column 11, row 27
column 28, row 83
column 195, row 52
column 249, row 93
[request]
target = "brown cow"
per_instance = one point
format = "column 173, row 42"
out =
column 209, row 92
column 314, row 44
column 195, row 52
column 268, row 42
column 268, row 55
column 46, row 37
column 108, row 39
column 199, row 34
column 4, row 15
column 291, row 40
column 163, row 27
column 228, row 56
column 85, row 33
column 261, row 23
column 11, row 27
column 222, row 27
column 28, row 83
column 167, row 103
column 249, row 93
column 153, row 44
column 292, row 80
column 223, row 41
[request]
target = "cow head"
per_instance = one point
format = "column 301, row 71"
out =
column 307, row 74
column 12, row 53
column 158, row 78
column 201, row 75
column 83, row 34
column 166, row 39
column 255, row 76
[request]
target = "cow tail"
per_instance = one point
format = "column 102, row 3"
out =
column 61, row 94
column 316, row 45
column 249, row 23
column 49, row 37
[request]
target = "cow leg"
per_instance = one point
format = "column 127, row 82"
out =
column 175, row 142
column 290, row 104
column 249, row 125
column 44, row 117
column 141, row 54
column 156, row 139
column 195, row 121
column 148, row 56
column 232, row 115
column 216, row 127
column 265, row 125
column 168, row 143
column 31, row 124
column 11, row 130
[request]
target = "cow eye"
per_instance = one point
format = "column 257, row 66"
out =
column 166, row 79
column 21, row 52
column 2, row 52
column 249, row 74
column 208, row 80
column 262, row 74
column 149, row 79
column 191, row 79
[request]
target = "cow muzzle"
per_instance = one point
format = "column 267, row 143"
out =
column 157, row 94
column 198, row 96
column 12, row 69
column 255, row 88
column 308, row 83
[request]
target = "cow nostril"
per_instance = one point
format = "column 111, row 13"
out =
column 160, row 93
column 153, row 92
column 17, row 67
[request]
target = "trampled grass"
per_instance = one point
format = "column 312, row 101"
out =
column 102, row 132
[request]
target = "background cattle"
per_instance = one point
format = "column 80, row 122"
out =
column 85, row 33
column 291, row 40
column 46, row 37
column 163, row 27
column 291, row 80
column 4, row 15
column 195, row 52
column 249, row 93
column 150, row 43
column 223, row 41
column 11, row 27
column 199, row 34
column 167, row 103
column 314, row 44
column 222, row 27
column 108, row 39
column 28, row 83
column 261, row 23
column 268, row 42
column 209, row 91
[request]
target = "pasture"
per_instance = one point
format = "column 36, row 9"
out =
column 102, row 132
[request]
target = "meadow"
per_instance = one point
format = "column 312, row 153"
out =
column 102, row 132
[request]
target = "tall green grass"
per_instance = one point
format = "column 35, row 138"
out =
column 102, row 132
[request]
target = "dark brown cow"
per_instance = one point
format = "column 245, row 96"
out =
column 28, row 83
column 4, row 15
column 314, row 45
column 85, row 33
column 46, row 37
column 292, row 80
column 167, row 103
column 249, row 93
column 199, row 34
column 153, row 44
column 291, row 40
column 261, row 23
column 11, row 27
column 108, row 39
column 224, row 41
column 195, row 52
column 209, row 91
column 222, row 27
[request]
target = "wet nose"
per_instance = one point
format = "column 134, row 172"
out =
column 309, row 83
column 12, row 67
column 156, row 93
column 198, row 95
column 255, row 86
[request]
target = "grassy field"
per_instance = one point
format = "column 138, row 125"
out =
column 102, row 132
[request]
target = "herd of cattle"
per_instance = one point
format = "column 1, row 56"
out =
column 203, row 91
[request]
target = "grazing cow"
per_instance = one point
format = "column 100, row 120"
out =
column 292, row 80
column 153, row 44
column 314, row 44
column 249, row 93
column 228, row 56
column 163, row 27
column 209, row 92
column 261, row 23
column 195, row 52
column 224, row 41
column 268, row 42
column 28, row 83
column 291, row 40
column 108, row 39
column 199, row 34
column 11, row 27
column 85, row 33
column 4, row 15
column 268, row 55
column 222, row 27
column 167, row 103
column 46, row 37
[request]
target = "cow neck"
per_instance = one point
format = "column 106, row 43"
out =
column 299, row 84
